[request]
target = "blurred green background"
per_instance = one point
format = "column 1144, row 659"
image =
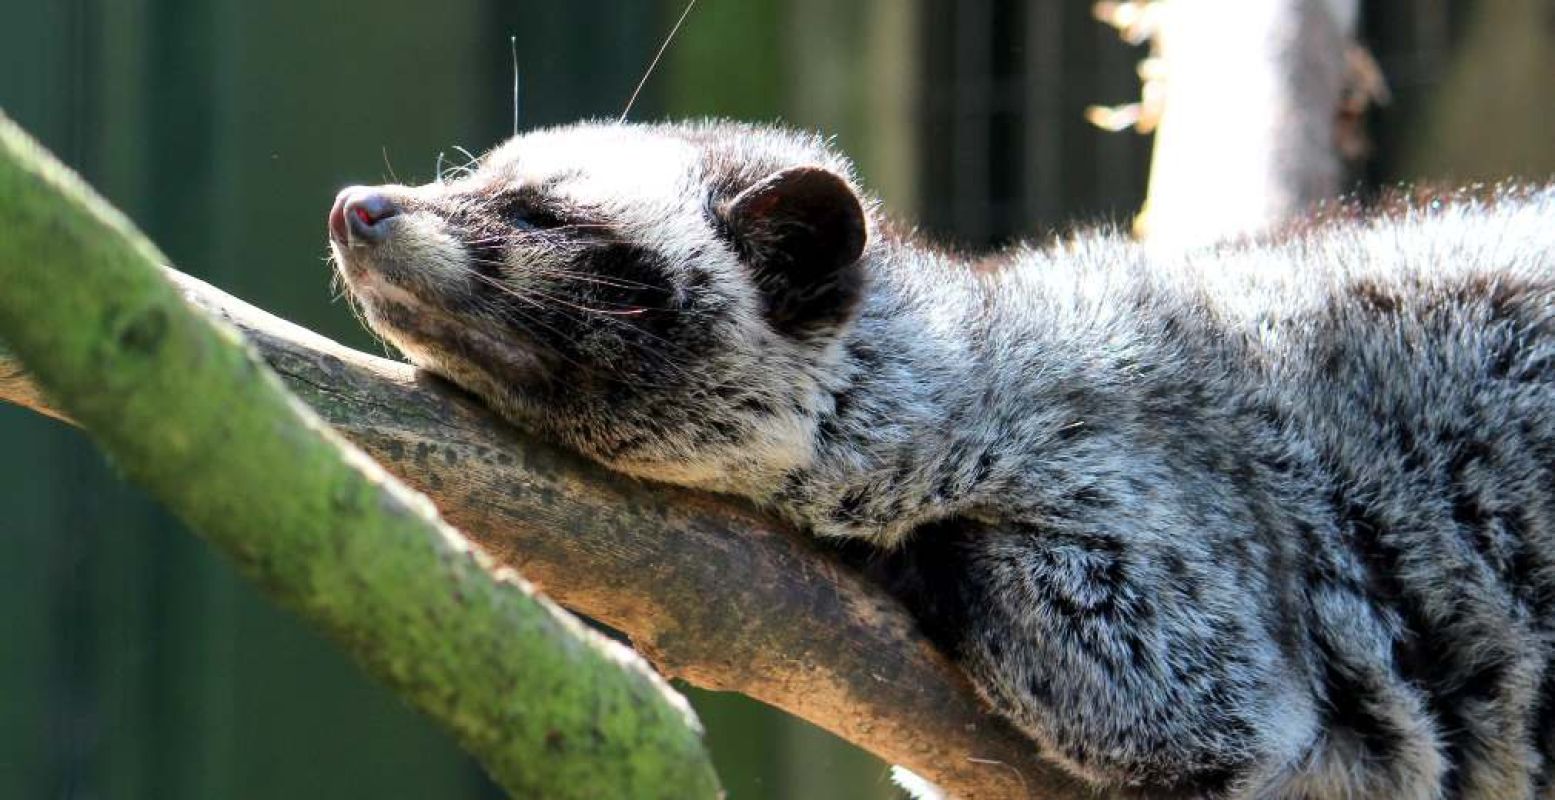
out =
column 133, row 663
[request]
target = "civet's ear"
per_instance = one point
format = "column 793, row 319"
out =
column 801, row 231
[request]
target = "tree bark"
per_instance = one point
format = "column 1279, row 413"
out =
column 708, row 589
column 550, row 708
column 1249, row 96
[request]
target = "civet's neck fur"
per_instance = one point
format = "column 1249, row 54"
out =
column 1264, row 520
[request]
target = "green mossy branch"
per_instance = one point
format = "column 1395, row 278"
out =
column 186, row 410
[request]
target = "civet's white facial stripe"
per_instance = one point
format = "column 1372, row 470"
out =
column 624, row 169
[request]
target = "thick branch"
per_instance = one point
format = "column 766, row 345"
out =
column 709, row 590
column 550, row 708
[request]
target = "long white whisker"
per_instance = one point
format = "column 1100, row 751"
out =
column 390, row 167
column 614, row 367
column 560, row 272
column 655, row 62
column 601, row 314
column 629, row 308
column 513, row 49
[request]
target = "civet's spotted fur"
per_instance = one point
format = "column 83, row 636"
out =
column 1263, row 520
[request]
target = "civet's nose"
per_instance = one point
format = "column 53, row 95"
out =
column 360, row 215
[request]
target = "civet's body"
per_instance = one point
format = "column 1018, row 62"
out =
column 1263, row 520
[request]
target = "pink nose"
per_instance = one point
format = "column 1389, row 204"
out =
column 360, row 215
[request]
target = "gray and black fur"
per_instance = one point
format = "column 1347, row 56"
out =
column 1270, row 519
